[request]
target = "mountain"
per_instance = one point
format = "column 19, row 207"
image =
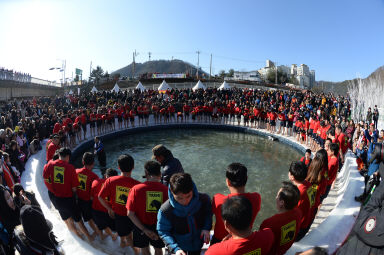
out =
column 159, row 66
column 341, row 88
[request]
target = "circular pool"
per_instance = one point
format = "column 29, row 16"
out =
column 205, row 154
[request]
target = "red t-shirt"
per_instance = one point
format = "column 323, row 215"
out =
column 343, row 142
column 285, row 227
column 51, row 151
column 304, row 204
column 259, row 242
column 333, row 167
column 60, row 178
column 117, row 189
column 86, row 177
column 95, row 190
column 142, row 201
column 57, row 127
column 218, row 201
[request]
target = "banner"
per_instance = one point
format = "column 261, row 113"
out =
column 168, row 75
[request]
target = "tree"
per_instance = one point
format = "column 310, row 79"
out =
column 222, row 74
column 281, row 76
column 106, row 75
column 230, row 73
column 76, row 78
column 97, row 74
column 293, row 80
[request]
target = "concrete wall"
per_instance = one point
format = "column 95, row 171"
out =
column 16, row 90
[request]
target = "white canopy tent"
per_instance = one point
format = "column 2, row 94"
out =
column 116, row 88
column 94, row 90
column 140, row 86
column 199, row 85
column 224, row 86
column 70, row 92
column 164, row 86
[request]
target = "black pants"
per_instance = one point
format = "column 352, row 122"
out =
column 102, row 158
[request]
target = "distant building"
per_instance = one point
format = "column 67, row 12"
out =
column 245, row 76
column 304, row 76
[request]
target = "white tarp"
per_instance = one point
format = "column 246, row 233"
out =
column 199, row 85
column 94, row 89
column 164, row 86
column 116, row 88
column 225, row 85
column 70, row 92
column 140, row 86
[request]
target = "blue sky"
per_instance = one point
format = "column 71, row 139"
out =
column 338, row 39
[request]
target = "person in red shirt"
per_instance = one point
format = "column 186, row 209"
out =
column 307, row 157
column 53, row 146
column 86, row 177
column 236, row 179
column 61, row 181
column 237, row 215
column 186, row 110
column 333, row 165
column 83, row 121
column 57, row 127
column 117, row 189
column 286, row 223
column 297, row 174
column 99, row 213
column 342, row 139
column 143, row 203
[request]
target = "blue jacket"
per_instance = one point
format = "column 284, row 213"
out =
column 190, row 240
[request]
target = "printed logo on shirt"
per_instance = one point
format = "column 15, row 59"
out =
column 121, row 195
column 288, row 232
column 311, row 192
column 58, row 174
column 154, row 201
column 83, row 182
column 254, row 252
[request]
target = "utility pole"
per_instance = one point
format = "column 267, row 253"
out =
column 198, row 60
column 149, row 56
column 90, row 71
column 134, row 63
column 276, row 73
column 210, row 68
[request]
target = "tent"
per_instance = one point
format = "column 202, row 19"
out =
column 199, row 85
column 116, row 88
column 163, row 87
column 94, row 89
column 225, row 86
column 70, row 92
column 140, row 86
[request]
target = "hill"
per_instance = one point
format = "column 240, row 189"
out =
column 341, row 88
column 160, row 66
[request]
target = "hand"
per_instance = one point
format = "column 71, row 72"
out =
column 205, row 236
column 151, row 234
column 180, row 252
column 226, row 237
column 111, row 213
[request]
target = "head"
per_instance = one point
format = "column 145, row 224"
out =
column 18, row 189
column 287, row 197
column 88, row 160
column 318, row 164
column 297, row 171
column 237, row 214
column 56, row 139
column 152, row 169
column 6, row 200
column 308, row 154
column 110, row 172
column 126, row 163
column 338, row 130
column 334, row 149
column 331, row 132
column 327, row 142
column 181, row 186
column 236, row 175
column 64, row 154
column 161, row 153
column 97, row 139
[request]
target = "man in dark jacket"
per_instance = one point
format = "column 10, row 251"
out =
column 170, row 164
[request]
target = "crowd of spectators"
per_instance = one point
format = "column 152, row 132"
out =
column 321, row 121
column 11, row 75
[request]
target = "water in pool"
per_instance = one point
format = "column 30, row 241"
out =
column 205, row 154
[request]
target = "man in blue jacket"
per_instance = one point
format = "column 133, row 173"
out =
column 185, row 219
